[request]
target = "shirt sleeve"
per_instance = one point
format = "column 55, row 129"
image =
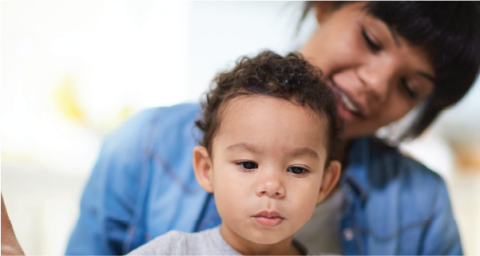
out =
column 113, row 195
column 442, row 236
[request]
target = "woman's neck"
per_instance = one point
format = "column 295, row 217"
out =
column 247, row 247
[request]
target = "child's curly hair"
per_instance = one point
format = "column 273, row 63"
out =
column 291, row 78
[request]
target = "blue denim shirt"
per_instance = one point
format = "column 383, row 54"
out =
column 143, row 185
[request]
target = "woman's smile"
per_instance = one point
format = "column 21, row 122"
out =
column 348, row 107
column 374, row 71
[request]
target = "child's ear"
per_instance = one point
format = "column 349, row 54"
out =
column 323, row 9
column 202, row 166
column 331, row 175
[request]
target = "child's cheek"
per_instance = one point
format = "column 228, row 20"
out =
column 229, row 191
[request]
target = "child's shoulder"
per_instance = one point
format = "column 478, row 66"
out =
column 306, row 251
column 174, row 242
column 168, row 244
column 321, row 254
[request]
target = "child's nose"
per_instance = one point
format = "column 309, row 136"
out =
column 271, row 186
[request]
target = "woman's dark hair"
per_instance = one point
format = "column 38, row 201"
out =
column 450, row 34
column 290, row 78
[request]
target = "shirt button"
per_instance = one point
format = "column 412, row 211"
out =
column 348, row 234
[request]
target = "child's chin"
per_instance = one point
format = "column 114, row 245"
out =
column 267, row 238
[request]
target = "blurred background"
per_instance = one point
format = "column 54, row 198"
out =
column 72, row 71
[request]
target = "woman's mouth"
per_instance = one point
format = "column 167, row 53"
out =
column 348, row 103
column 347, row 108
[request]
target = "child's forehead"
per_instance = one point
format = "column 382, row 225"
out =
column 263, row 113
column 246, row 104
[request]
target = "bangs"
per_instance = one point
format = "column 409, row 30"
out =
column 449, row 34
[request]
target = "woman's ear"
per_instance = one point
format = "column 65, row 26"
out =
column 331, row 175
column 202, row 166
column 323, row 10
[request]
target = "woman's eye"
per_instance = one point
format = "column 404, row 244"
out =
column 297, row 170
column 408, row 89
column 371, row 44
column 248, row 165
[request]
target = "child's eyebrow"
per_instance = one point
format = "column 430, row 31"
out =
column 305, row 151
column 294, row 153
column 243, row 146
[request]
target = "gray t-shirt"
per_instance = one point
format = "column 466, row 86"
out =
column 322, row 231
column 207, row 242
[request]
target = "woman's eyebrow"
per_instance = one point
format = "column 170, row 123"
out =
column 426, row 76
column 394, row 35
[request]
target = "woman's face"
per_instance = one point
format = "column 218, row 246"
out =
column 377, row 75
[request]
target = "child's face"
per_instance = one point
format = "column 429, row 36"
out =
column 267, row 168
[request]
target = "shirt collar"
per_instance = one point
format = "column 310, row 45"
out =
column 356, row 174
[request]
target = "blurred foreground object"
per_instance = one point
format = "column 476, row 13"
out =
column 10, row 244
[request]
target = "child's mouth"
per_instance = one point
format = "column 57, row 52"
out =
column 269, row 219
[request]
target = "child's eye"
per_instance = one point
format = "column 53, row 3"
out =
column 297, row 170
column 248, row 165
column 371, row 44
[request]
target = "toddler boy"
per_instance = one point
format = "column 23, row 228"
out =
column 270, row 131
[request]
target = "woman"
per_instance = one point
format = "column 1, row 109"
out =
column 383, row 59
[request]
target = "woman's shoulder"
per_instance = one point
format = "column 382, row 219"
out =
column 164, row 131
column 388, row 163
column 385, row 172
column 392, row 174
column 154, row 122
column 179, row 114
column 399, row 195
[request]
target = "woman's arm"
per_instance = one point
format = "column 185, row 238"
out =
column 441, row 236
column 107, row 221
column 128, row 181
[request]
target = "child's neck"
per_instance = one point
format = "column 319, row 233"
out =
column 247, row 247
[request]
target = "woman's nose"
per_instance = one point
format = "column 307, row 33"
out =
column 271, row 185
column 376, row 80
